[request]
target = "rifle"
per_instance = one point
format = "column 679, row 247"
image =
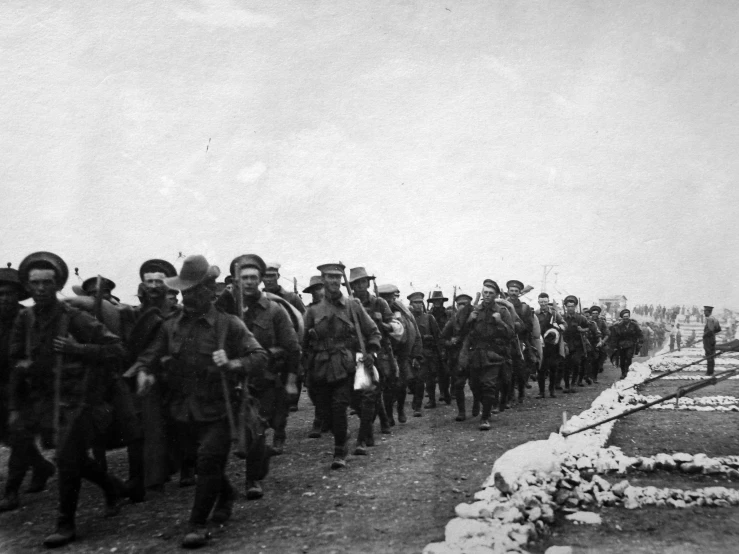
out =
column 238, row 434
column 682, row 391
column 454, row 300
column 295, row 285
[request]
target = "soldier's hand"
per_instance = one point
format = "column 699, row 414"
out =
column 291, row 387
column 474, row 314
column 220, row 358
column 496, row 317
column 66, row 345
column 24, row 365
column 144, row 381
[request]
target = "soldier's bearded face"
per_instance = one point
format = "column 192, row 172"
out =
column 250, row 280
column 155, row 287
column 42, row 286
column 8, row 298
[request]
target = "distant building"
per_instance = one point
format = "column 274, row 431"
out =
column 613, row 304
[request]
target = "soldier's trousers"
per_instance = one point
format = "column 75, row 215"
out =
column 710, row 350
column 81, row 431
column 398, row 386
column 274, row 406
column 334, row 399
column 484, row 382
column 550, row 368
column 24, row 453
column 420, row 378
column 572, row 366
column 364, row 403
column 626, row 355
column 601, row 359
column 431, row 368
column 438, row 373
column 213, row 443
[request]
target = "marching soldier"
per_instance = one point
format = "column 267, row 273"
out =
column 203, row 352
column 63, row 359
column 710, row 330
column 529, row 339
column 272, row 285
column 320, row 424
column 592, row 339
column 453, row 339
column 576, row 327
column 429, row 369
column 489, row 330
column 600, row 345
column 552, row 326
column 330, row 327
column 626, row 336
column 408, row 350
column 271, row 326
column 442, row 315
column 370, row 403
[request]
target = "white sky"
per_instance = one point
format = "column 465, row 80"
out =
column 434, row 142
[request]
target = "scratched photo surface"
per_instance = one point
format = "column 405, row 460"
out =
column 435, row 143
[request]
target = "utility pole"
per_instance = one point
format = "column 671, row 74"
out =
column 547, row 269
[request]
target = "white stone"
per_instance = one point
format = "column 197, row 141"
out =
column 559, row 550
column 534, row 514
column 584, row 462
column 647, row 464
column 601, row 483
column 590, row 518
column 619, row 488
column 542, row 456
column 682, row 457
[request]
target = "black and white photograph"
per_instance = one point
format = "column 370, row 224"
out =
column 350, row 277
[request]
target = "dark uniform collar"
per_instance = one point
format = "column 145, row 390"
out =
column 209, row 316
column 340, row 301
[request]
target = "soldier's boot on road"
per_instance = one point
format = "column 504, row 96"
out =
column 196, row 537
column 64, row 533
column 400, row 397
column 136, row 486
column 387, row 402
column 69, row 487
column 382, row 415
column 10, row 501
column 278, row 446
column 253, row 490
column 542, row 387
column 225, row 503
column 41, row 474
column 487, row 405
column 315, row 432
column 431, row 391
column 207, row 491
column 445, row 389
column 475, row 407
column 522, row 391
column 340, row 453
column 462, row 415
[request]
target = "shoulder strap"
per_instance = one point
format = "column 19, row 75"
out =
column 221, row 330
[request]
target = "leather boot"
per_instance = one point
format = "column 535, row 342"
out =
column 315, row 432
column 225, row 503
column 387, row 400
column 475, row 407
column 64, row 533
column 401, row 406
column 197, row 537
column 383, row 416
column 253, row 490
column 462, row 415
column 41, row 474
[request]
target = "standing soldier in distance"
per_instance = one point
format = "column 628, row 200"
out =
column 321, row 422
column 203, row 353
column 529, row 339
column 710, row 330
column 551, row 325
column 600, row 345
column 576, row 326
column 442, row 315
column 329, row 326
column 626, row 337
column 429, row 330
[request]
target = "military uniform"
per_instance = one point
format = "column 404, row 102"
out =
column 330, row 327
column 183, row 355
column 84, row 414
column 576, row 349
column 710, row 330
column 488, row 351
column 442, row 315
column 551, row 325
column 626, row 336
column 528, row 334
column 453, row 338
column 426, row 375
column 600, row 349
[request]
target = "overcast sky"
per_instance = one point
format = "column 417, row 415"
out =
column 434, row 142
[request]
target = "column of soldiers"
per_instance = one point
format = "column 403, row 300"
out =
column 184, row 385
